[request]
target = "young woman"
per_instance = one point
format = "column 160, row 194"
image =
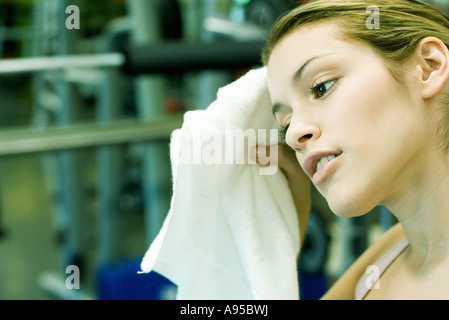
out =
column 365, row 111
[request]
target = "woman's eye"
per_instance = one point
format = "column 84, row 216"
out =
column 320, row 89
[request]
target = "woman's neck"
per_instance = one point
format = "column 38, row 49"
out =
column 423, row 211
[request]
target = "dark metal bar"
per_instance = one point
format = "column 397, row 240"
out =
column 178, row 57
column 170, row 57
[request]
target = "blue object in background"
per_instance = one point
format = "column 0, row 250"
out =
column 312, row 277
column 312, row 286
column 122, row 282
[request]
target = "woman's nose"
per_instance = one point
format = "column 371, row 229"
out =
column 300, row 135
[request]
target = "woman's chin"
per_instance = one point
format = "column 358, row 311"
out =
column 347, row 208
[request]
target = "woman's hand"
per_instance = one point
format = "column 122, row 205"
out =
column 299, row 182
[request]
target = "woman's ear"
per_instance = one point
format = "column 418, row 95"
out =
column 433, row 64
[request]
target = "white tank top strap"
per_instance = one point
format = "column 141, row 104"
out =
column 367, row 281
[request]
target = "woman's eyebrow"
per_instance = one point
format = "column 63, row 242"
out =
column 298, row 74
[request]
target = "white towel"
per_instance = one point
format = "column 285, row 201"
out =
column 232, row 229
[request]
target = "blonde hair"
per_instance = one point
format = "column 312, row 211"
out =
column 402, row 25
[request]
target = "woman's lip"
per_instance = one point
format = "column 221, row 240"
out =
column 311, row 159
column 321, row 175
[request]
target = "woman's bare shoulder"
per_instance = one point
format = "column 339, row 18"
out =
column 343, row 289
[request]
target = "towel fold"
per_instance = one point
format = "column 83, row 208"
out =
column 232, row 228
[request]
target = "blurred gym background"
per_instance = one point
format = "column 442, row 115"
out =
column 88, row 101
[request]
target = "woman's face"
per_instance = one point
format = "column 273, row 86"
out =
column 357, row 132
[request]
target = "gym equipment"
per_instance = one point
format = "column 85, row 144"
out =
column 28, row 65
column 149, row 54
column 121, row 282
column 107, row 132
column 166, row 58
column 315, row 248
column 32, row 140
column 176, row 57
column 312, row 277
